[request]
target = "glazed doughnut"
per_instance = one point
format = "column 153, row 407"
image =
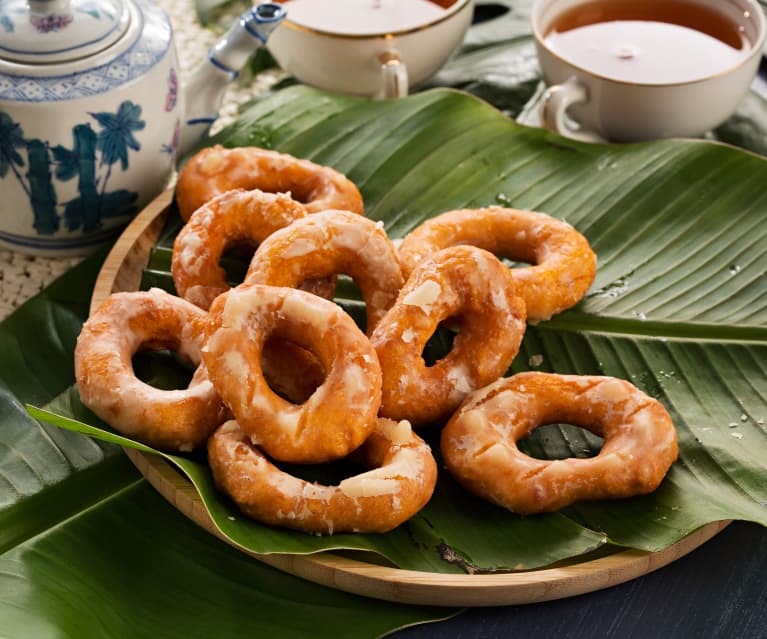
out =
column 230, row 218
column 472, row 288
column 329, row 243
column 401, row 482
column 563, row 264
column 125, row 323
column 340, row 413
column 480, row 451
column 215, row 170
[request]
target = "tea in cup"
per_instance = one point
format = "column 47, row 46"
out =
column 630, row 70
column 372, row 48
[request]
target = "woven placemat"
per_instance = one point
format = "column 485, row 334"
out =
column 22, row 276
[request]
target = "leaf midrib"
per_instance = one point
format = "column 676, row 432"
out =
column 106, row 479
column 575, row 322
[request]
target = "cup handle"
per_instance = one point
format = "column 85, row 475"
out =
column 554, row 104
column 394, row 80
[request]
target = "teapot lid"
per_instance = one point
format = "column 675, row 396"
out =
column 55, row 31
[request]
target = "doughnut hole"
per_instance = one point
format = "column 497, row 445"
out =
column 163, row 368
column 352, row 301
column 560, row 441
column 235, row 260
column 441, row 342
column 290, row 370
column 513, row 263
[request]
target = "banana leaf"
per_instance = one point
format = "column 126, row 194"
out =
column 678, row 306
column 128, row 566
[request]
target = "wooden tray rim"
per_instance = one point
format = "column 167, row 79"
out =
column 121, row 271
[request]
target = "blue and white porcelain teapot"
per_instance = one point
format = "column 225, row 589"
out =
column 92, row 117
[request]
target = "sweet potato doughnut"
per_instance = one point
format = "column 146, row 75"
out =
column 470, row 286
column 563, row 263
column 126, row 322
column 230, row 218
column 341, row 412
column 215, row 170
column 330, row 243
column 479, row 442
column 401, row 482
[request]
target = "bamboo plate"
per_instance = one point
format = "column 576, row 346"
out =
column 122, row 272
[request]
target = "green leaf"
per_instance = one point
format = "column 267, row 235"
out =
column 48, row 323
column 505, row 73
column 43, row 470
column 678, row 305
column 131, row 567
column 679, row 229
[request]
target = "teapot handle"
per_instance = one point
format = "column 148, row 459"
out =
column 205, row 88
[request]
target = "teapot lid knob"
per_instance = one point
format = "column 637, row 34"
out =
column 56, row 31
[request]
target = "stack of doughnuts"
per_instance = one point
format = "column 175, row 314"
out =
column 284, row 375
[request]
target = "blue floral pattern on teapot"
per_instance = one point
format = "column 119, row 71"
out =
column 91, row 115
column 90, row 159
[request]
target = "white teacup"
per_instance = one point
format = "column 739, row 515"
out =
column 612, row 85
column 372, row 48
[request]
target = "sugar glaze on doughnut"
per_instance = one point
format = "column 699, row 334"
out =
column 480, row 451
column 339, row 414
column 563, row 264
column 216, row 169
column 477, row 293
column 178, row 420
column 232, row 217
column 401, row 481
column 330, row 243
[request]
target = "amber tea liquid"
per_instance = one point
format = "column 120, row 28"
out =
column 648, row 42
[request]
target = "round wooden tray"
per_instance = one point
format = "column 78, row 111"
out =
column 122, row 272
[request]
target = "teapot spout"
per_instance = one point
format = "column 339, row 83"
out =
column 205, row 89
